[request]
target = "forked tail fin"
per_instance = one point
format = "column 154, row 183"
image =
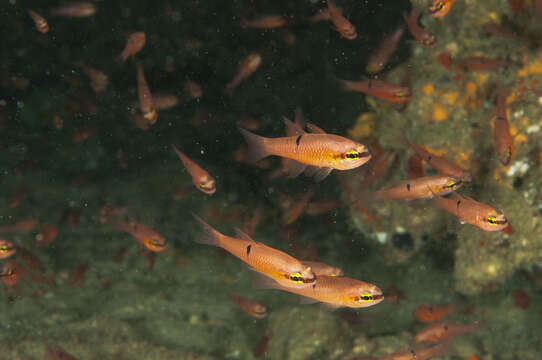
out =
column 209, row 235
column 256, row 146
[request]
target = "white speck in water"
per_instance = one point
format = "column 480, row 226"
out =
column 382, row 237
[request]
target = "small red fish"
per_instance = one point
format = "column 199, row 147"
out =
column 165, row 101
column 378, row 88
column 147, row 236
column 342, row 25
column 146, row 102
column 334, row 292
column 193, row 89
column 77, row 9
column 473, row 212
column 251, row 307
column 418, row 353
column 39, row 21
column 320, row 152
column 263, row 259
column 245, row 68
column 10, row 273
column 442, row 331
column 6, row 248
column 431, row 313
column 382, row 54
column 134, row 44
column 440, row 8
column 440, row 164
column 501, row 130
column 98, row 79
column 46, row 235
column 201, row 178
column 420, row 188
column 264, row 22
column 422, row 36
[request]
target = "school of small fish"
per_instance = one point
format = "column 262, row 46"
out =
column 304, row 148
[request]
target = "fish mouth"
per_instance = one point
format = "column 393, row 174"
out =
column 378, row 297
column 363, row 155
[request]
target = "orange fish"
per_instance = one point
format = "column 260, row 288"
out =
column 39, row 21
column 418, row 353
column 440, row 164
column 501, row 130
column 442, row 331
column 420, row 188
column 10, row 273
column 382, row 54
column 251, row 307
column 264, row 22
column 147, row 236
column 245, row 68
column 201, row 178
column 321, row 269
column 440, row 8
column 6, row 248
column 298, row 207
column 277, row 265
column 473, row 212
column 193, row 89
column 421, row 35
column 378, row 88
column 334, row 292
column 431, row 313
column 78, row 9
column 46, row 235
column 165, row 101
column 98, row 79
column 134, row 44
column 146, row 102
column 342, row 25
column 322, row 152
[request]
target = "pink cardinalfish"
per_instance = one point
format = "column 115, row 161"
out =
column 315, row 153
column 275, row 264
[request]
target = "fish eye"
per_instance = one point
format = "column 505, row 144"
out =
column 366, row 297
column 492, row 220
column 3, row 248
column 296, row 277
column 452, row 184
column 399, row 94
